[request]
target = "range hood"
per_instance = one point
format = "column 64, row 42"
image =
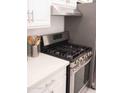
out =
column 61, row 10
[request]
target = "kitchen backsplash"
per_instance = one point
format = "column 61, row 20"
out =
column 57, row 25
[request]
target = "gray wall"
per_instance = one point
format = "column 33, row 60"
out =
column 83, row 29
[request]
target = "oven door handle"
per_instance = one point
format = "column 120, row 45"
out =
column 74, row 70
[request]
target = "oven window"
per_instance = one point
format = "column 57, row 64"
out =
column 87, row 71
column 81, row 78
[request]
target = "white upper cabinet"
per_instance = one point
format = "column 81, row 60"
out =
column 38, row 14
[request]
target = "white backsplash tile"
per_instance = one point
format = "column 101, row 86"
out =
column 57, row 25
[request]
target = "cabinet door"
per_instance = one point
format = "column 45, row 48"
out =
column 38, row 13
column 59, row 86
column 59, row 82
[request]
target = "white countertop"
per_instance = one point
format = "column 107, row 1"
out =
column 39, row 68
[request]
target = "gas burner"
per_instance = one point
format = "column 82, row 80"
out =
column 66, row 51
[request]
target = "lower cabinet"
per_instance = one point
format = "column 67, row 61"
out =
column 59, row 87
column 55, row 83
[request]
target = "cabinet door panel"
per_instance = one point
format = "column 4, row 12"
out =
column 41, row 9
column 41, row 12
column 60, row 88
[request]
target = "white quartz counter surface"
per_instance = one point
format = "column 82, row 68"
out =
column 39, row 68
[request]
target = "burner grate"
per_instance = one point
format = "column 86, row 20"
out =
column 65, row 51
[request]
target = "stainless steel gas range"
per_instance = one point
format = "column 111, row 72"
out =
column 79, row 57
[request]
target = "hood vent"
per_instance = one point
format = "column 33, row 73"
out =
column 60, row 10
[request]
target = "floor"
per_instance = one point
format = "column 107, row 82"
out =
column 91, row 91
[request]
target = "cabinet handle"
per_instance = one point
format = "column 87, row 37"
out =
column 32, row 16
column 28, row 16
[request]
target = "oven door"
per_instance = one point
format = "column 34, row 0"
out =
column 79, row 78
